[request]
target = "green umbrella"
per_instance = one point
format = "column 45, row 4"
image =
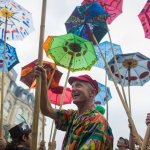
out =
column 72, row 52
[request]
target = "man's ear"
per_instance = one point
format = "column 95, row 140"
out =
column 24, row 138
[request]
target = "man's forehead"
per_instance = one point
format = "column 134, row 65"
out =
column 79, row 81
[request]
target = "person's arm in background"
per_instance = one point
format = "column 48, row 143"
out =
column 45, row 106
column 3, row 143
column 131, row 138
column 147, row 123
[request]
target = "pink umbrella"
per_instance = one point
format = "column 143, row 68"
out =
column 113, row 7
column 144, row 17
column 55, row 94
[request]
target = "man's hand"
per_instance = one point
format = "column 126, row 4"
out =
column 148, row 119
column 3, row 143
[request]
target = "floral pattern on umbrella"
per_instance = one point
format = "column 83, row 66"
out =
column 113, row 7
column 72, row 52
column 144, row 17
column 134, row 69
column 28, row 77
column 19, row 20
column 103, row 96
column 11, row 56
column 55, row 95
column 88, row 20
column 107, row 51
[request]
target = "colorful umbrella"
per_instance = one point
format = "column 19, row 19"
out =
column 19, row 20
column 103, row 95
column 88, row 20
column 134, row 69
column 28, row 77
column 144, row 17
column 55, row 95
column 11, row 57
column 107, row 51
column 113, row 7
column 72, row 52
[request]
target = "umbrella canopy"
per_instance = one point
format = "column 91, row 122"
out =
column 113, row 7
column 55, row 95
column 107, row 51
column 28, row 77
column 144, row 17
column 87, row 20
column 11, row 56
column 102, row 96
column 19, row 20
column 72, row 52
column 134, row 69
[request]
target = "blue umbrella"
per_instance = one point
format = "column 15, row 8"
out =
column 101, row 96
column 87, row 20
column 107, row 51
column 11, row 57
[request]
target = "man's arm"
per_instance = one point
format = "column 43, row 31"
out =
column 45, row 105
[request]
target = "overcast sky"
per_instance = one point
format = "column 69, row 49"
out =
column 126, row 30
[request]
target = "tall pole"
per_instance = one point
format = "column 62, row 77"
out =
column 38, row 85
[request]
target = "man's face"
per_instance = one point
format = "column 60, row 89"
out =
column 121, row 143
column 81, row 91
column 27, row 140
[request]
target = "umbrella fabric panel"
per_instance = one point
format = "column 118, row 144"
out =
column 11, row 56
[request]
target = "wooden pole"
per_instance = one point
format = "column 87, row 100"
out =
column 2, row 81
column 120, row 95
column 38, row 85
column 116, row 65
column 146, row 138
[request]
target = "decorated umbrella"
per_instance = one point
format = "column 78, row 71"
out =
column 72, row 52
column 28, row 77
column 55, row 94
column 87, row 20
column 15, row 20
column 103, row 96
column 11, row 57
column 144, row 17
column 107, row 51
column 16, row 24
column 113, row 7
column 134, row 69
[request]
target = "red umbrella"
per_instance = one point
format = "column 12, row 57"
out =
column 28, row 77
column 113, row 7
column 144, row 17
column 55, row 95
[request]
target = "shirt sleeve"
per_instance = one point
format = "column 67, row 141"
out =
column 64, row 118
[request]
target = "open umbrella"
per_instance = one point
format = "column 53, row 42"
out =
column 28, row 77
column 113, row 7
column 107, row 51
column 144, row 17
column 134, row 69
column 11, row 56
column 87, row 20
column 103, row 96
column 55, row 94
column 72, row 52
column 19, row 20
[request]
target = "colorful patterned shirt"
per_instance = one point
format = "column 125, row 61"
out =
column 88, row 131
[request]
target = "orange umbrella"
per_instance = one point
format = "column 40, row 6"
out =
column 28, row 77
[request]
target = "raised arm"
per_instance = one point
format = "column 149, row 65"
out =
column 45, row 105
